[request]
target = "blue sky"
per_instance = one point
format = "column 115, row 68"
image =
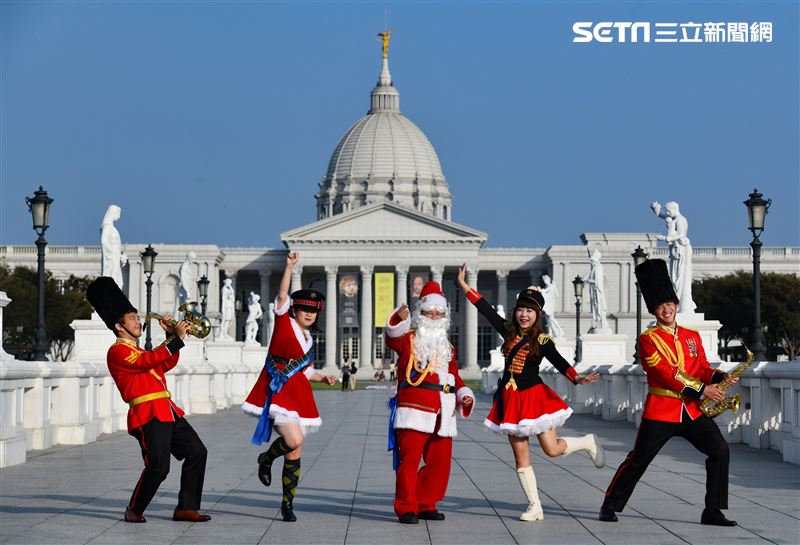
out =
column 212, row 122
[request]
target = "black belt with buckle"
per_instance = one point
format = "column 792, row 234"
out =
column 446, row 388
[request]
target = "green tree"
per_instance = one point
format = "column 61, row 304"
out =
column 63, row 304
column 729, row 299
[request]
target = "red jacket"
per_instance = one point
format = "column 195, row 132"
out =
column 138, row 372
column 417, row 408
column 677, row 372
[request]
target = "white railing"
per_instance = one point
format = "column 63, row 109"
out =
column 767, row 418
column 43, row 404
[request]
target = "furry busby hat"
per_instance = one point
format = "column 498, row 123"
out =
column 532, row 296
column 108, row 300
column 655, row 284
column 308, row 300
column 431, row 297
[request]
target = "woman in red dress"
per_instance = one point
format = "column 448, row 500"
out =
column 523, row 405
column 283, row 387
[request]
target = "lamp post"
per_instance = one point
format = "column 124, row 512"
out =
column 39, row 207
column 578, row 285
column 757, row 209
column 639, row 256
column 148, row 263
column 202, row 290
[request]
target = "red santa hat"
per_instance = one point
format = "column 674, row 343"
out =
column 432, row 297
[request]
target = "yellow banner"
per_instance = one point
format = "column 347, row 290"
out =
column 384, row 297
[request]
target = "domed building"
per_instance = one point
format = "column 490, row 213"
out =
column 384, row 156
column 384, row 227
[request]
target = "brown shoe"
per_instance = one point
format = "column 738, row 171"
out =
column 130, row 516
column 189, row 515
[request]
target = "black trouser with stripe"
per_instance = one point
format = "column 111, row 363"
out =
column 702, row 433
column 158, row 440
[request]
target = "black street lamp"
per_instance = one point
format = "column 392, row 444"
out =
column 639, row 256
column 757, row 209
column 202, row 290
column 148, row 264
column 39, row 207
column 578, row 285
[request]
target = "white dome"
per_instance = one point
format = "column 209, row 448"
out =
column 384, row 156
column 387, row 145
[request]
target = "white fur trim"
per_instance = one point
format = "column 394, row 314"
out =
column 279, row 311
column 283, row 416
column 447, row 425
column 528, row 427
column 433, row 300
column 401, row 328
column 309, row 371
column 461, row 393
column 407, row 418
column 252, row 410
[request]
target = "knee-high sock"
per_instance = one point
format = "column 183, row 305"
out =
column 291, row 476
column 276, row 449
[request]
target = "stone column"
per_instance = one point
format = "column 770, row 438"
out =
column 331, row 340
column 265, row 300
column 502, row 288
column 437, row 271
column 297, row 279
column 471, row 368
column 367, row 329
column 402, row 285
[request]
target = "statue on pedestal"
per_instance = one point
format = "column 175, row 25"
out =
column 111, row 244
column 254, row 314
column 680, row 252
column 187, row 279
column 597, row 296
column 550, row 292
column 228, row 298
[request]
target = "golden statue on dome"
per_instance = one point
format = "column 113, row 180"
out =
column 385, row 37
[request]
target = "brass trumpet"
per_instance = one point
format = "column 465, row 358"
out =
column 201, row 326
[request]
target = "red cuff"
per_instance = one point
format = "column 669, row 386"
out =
column 572, row 374
column 394, row 319
column 473, row 296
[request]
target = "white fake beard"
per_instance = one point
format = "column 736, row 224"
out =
column 431, row 341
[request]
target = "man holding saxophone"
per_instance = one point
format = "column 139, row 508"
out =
column 678, row 379
column 153, row 418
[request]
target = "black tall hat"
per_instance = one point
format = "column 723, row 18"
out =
column 108, row 300
column 655, row 283
column 531, row 296
column 310, row 300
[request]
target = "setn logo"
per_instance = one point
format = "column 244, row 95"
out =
column 607, row 32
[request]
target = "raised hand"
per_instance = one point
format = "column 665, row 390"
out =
column 402, row 312
column 292, row 259
column 462, row 278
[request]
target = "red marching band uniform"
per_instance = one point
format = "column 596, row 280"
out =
column 424, row 419
column 295, row 400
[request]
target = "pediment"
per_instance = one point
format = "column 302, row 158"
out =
column 384, row 222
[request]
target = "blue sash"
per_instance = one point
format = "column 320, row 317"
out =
column 392, row 406
column 278, row 377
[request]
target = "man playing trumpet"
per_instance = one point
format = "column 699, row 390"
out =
column 153, row 418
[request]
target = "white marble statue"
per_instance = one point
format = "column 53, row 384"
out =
column 228, row 298
column 680, row 253
column 254, row 314
column 597, row 296
column 111, row 243
column 187, row 279
column 496, row 359
column 550, row 293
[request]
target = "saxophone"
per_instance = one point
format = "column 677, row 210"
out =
column 712, row 408
column 200, row 327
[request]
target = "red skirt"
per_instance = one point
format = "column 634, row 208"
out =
column 528, row 412
column 293, row 404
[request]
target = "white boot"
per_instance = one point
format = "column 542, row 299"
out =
column 589, row 444
column 528, row 482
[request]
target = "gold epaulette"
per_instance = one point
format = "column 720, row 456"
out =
column 648, row 331
column 544, row 338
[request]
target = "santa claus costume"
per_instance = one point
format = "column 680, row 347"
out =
column 423, row 420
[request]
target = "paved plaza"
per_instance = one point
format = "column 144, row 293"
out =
column 77, row 494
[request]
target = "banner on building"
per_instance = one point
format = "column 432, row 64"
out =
column 417, row 281
column 384, row 297
column 348, row 300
